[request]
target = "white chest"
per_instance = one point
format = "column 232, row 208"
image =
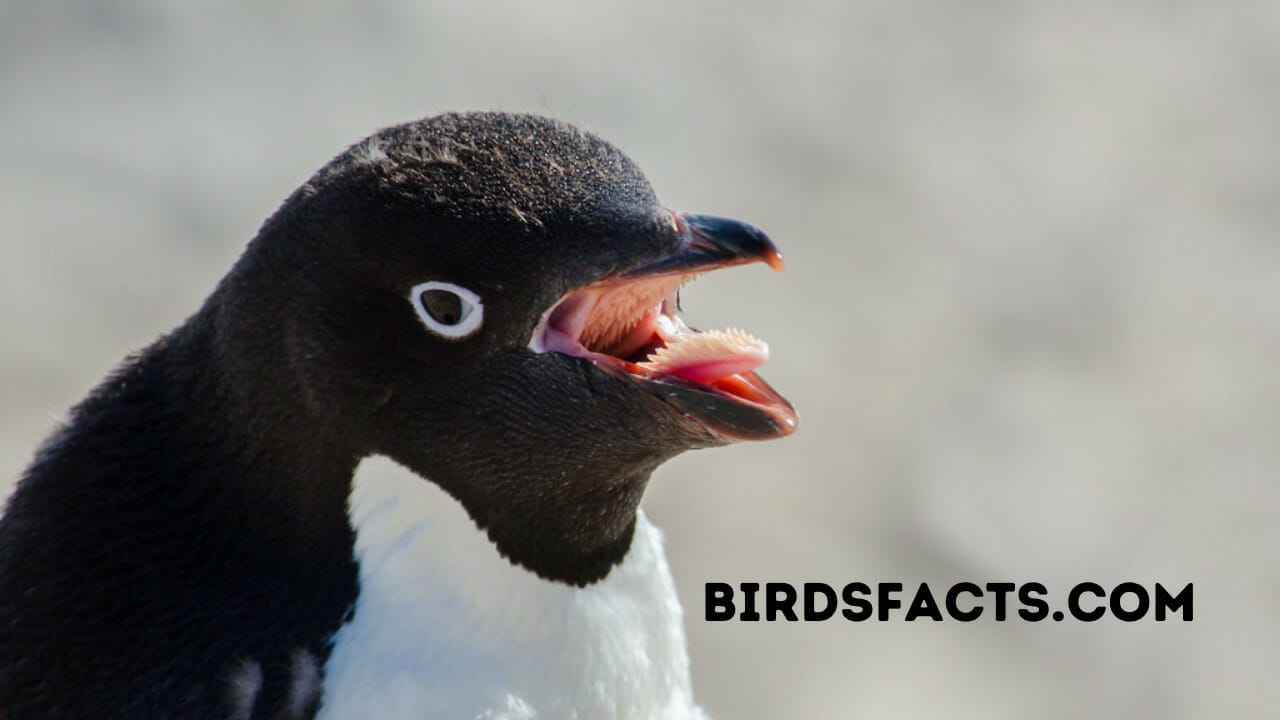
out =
column 447, row 628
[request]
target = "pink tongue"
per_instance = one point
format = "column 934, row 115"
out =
column 708, row 372
column 709, row 356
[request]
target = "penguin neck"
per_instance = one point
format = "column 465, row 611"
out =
column 289, row 458
column 564, row 529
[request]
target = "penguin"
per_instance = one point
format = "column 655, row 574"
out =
column 489, row 300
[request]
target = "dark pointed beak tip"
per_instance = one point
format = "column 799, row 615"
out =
column 707, row 242
column 733, row 238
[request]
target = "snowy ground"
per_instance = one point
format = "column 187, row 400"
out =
column 1031, row 318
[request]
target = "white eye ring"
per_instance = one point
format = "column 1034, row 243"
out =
column 470, row 311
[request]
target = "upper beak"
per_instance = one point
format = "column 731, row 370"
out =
column 706, row 242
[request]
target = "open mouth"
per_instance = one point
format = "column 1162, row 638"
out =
column 631, row 324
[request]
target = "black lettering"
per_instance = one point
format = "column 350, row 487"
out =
column 780, row 598
column 1117, row 601
column 749, row 590
column 719, row 598
column 1002, row 591
column 859, row 608
column 811, row 593
column 953, row 605
column 1034, row 607
column 886, row 599
column 1173, row 603
column 1031, row 595
column 924, row 604
column 1073, row 601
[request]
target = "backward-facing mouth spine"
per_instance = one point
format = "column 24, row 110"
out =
column 629, row 323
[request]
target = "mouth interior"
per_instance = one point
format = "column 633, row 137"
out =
column 635, row 326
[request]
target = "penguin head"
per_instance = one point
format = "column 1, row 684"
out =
column 490, row 300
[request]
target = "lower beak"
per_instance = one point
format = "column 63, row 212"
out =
column 743, row 407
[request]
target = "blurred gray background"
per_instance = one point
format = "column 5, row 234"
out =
column 1031, row 318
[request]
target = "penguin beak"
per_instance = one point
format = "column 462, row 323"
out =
column 628, row 323
column 711, row 243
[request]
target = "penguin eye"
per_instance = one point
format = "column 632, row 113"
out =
column 449, row 310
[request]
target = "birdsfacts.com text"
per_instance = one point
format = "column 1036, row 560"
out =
column 963, row 602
